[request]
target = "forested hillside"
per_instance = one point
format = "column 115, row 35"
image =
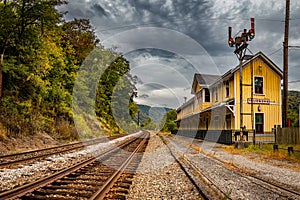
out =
column 41, row 54
column 151, row 117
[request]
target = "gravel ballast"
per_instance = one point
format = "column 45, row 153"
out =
column 159, row 176
column 11, row 178
column 227, row 177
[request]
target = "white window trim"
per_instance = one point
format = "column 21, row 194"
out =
column 263, row 94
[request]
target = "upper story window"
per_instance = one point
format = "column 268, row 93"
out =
column 217, row 93
column 207, row 95
column 258, row 85
column 227, row 89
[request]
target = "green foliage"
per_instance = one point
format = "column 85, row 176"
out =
column 115, row 95
column 169, row 124
column 41, row 55
column 293, row 107
column 80, row 34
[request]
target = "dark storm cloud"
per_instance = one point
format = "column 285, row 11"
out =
column 144, row 96
column 154, row 86
column 206, row 21
column 99, row 10
column 153, row 53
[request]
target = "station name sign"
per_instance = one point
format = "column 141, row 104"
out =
column 258, row 101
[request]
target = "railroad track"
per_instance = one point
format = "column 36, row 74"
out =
column 206, row 192
column 266, row 185
column 90, row 179
column 28, row 156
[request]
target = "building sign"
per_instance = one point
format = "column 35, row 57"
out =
column 258, row 101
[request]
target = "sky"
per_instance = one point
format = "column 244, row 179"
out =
column 168, row 41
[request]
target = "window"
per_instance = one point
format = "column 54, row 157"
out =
column 259, row 123
column 217, row 94
column 216, row 123
column 258, row 85
column 207, row 95
column 228, row 122
column 206, row 123
column 227, row 88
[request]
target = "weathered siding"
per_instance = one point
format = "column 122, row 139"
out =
column 288, row 136
column 224, row 113
column 272, row 112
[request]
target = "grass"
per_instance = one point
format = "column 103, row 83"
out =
column 267, row 152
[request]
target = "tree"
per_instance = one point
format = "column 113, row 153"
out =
column 23, row 23
column 169, row 119
column 81, row 35
column 293, row 108
column 41, row 55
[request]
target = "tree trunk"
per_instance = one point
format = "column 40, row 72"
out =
column 1, row 66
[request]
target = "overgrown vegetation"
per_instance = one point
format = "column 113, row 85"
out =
column 41, row 54
column 266, row 151
column 293, row 108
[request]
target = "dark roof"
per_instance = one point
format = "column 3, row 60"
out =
column 206, row 79
column 203, row 80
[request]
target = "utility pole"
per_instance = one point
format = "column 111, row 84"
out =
column 241, row 44
column 285, row 66
column 138, row 118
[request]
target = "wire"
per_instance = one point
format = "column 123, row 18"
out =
column 271, row 20
column 185, row 19
column 250, row 51
column 275, row 51
column 297, row 81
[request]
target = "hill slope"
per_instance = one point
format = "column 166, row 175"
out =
column 151, row 115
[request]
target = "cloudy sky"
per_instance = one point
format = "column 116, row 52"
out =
column 167, row 41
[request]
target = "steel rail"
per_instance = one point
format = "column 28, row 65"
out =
column 56, row 147
column 100, row 194
column 38, row 150
column 22, row 190
column 81, row 144
column 248, row 175
column 189, row 171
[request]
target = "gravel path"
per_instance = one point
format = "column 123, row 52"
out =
column 160, row 177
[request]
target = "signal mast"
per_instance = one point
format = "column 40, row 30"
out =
column 241, row 43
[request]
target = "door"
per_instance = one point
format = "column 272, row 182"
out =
column 228, row 122
column 259, row 123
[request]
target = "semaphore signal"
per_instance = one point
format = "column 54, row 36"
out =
column 241, row 43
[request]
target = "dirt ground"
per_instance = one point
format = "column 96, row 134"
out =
column 37, row 141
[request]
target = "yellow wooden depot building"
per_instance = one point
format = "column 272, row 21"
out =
column 216, row 101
